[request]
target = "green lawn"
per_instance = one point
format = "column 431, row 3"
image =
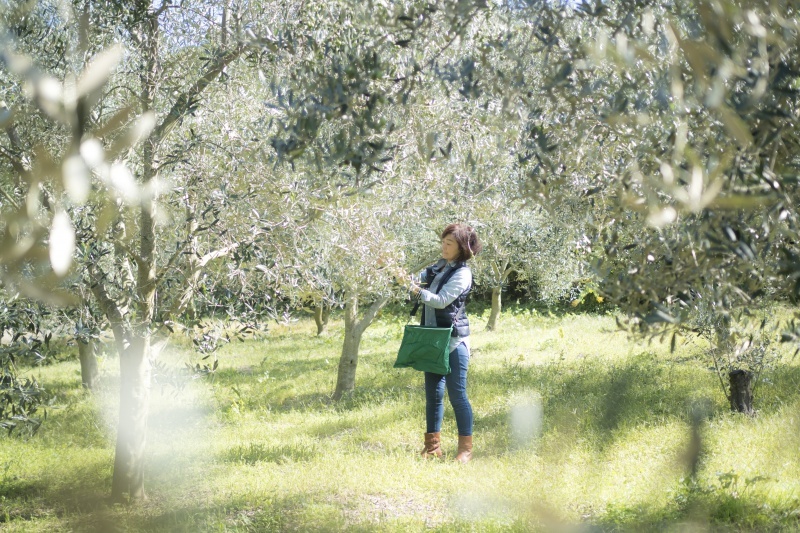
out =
column 262, row 449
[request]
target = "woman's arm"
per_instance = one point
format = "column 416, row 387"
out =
column 437, row 266
column 452, row 290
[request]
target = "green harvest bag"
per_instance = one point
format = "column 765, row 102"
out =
column 425, row 348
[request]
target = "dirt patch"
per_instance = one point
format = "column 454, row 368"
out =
column 380, row 508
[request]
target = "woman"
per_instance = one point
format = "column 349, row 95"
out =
column 448, row 283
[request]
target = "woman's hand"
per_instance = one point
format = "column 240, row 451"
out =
column 405, row 280
column 413, row 287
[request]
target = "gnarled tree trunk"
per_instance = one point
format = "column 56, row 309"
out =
column 497, row 306
column 500, row 272
column 353, row 330
column 346, row 375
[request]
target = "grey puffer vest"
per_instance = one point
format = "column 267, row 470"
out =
column 454, row 314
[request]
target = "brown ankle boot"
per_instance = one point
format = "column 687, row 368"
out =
column 431, row 449
column 464, row 449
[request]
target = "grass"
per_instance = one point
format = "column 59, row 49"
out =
column 261, row 448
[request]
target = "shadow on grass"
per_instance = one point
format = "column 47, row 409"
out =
column 691, row 509
column 319, row 512
column 601, row 399
column 290, row 513
column 84, row 490
column 778, row 386
column 66, row 387
column 710, row 508
column 306, row 512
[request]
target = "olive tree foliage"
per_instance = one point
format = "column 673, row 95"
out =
column 466, row 131
column 721, row 184
column 339, row 125
column 25, row 341
column 362, row 258
column 672, row 128
column 351, row 254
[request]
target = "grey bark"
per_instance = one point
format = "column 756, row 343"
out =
column 497, row 307
column 134, row 397
column 134, row 402
column 354, row 328
column 88, row 359
column 500, row 271
column 133, row 341
column 321, row 315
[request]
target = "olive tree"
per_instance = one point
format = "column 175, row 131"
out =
column 118, row 172
column 687, row 111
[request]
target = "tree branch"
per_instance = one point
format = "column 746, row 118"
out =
column 184, row 102
column 19, row 167
column 210, row 256
column 362, row 324
column 10, row 199
column 179, row 250
column 140, row 262
column 108, row 306
column 193, row 275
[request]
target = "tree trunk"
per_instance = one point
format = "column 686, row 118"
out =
column 353, row 330
column 741, row 396
column 497, row 306
column 321, row 316
column 134, row 400
column 346, row 377
column 133, row 342
column 86, row 354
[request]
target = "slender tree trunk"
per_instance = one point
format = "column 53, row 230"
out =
column 134, row 401
column 134, row 373
column 86, row 354
column 497, row 306
column 134, row 390
column 321, row 316
column 134, row 342
column 353, row 330
column 346, row 377
column 741, row 393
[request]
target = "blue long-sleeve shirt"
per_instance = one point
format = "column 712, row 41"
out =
column 456, row 285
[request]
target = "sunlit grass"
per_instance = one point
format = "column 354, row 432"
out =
column 261, row 448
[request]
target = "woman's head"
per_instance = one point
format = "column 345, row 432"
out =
column 460, row 242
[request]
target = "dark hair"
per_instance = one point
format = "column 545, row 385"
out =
column 467, row 238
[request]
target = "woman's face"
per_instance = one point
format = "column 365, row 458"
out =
column 450, row 250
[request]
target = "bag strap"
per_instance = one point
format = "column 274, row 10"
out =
column 414, row 310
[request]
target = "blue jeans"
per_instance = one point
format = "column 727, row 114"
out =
column 456, row 383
